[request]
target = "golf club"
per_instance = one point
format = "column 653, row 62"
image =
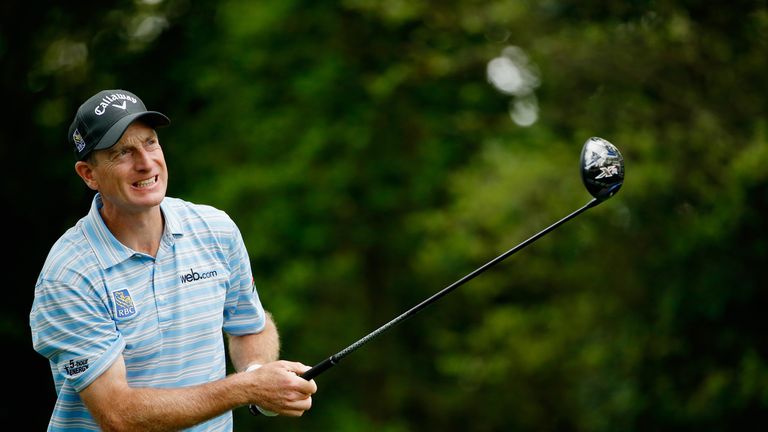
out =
column 602, row 172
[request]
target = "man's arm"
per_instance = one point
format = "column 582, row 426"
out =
column 276, row 386
column 261, row 348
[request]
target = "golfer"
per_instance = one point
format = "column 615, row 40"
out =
column 138, row 304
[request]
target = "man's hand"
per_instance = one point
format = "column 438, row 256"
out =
column 278, row 387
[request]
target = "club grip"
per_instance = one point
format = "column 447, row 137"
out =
column 318, row 369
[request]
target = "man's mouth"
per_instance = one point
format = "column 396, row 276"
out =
column 146, row 183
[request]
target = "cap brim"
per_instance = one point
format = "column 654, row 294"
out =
column 152, row 118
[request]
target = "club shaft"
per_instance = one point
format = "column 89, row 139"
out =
column 336, row 358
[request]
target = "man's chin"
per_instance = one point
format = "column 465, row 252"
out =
column 151, row 199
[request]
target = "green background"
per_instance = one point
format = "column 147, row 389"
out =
column 370, row 161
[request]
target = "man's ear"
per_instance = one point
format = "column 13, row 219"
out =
column 85, row 171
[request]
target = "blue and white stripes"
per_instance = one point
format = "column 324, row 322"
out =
column 95, row 299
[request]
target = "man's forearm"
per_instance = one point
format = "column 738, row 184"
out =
column 159, row 409
column 277, row 386
column 155, row 409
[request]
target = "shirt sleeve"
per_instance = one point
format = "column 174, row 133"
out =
column 243, row 311
column 72, row 327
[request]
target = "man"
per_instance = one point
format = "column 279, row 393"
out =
column 133, row 302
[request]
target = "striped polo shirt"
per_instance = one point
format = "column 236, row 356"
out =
column 95, row 298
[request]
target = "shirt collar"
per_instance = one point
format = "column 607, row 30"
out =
column 172, row 221
column 109, row 250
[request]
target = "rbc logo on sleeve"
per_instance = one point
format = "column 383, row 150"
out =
column 124, row 306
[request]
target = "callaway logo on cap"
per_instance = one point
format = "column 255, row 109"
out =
column 101, row 120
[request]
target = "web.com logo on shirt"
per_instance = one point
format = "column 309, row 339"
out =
column 193, row 276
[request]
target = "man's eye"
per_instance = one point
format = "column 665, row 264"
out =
column 122, row 153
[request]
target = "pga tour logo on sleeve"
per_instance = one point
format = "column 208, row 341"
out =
column 124, row 306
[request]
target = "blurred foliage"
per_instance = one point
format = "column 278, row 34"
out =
column 370, row 162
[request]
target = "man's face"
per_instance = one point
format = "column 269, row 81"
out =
column 131, row 176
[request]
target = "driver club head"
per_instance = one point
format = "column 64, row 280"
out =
column 602, row 168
